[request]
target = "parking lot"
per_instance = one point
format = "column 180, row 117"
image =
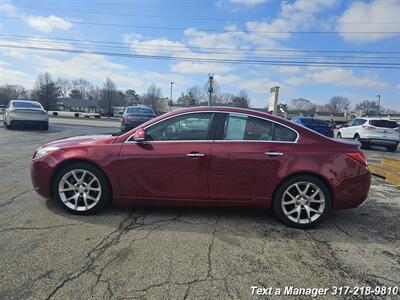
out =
column 180, row 253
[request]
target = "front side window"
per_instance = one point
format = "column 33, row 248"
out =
column 247, row 128
column 189, row 127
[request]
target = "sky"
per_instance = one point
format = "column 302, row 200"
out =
column 193, row 31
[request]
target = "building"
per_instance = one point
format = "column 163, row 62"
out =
column 77, row 105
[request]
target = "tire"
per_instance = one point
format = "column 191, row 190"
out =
column 339, row 135
column 391, row 148
column 289, row 213
column 99, row 193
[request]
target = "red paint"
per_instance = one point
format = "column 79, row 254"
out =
column 230, row 173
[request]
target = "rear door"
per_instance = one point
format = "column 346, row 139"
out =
column 246, row 157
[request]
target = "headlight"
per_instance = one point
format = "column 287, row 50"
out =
column 40, row 152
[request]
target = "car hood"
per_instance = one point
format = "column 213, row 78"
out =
column 82, row 140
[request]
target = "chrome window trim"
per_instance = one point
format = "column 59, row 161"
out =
column 215, row 141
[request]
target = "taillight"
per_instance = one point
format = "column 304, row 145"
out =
column 358, row 156
column 368, row 127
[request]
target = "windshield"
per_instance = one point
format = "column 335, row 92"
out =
column 139, row 110
column 383, row 123
column 26, row 104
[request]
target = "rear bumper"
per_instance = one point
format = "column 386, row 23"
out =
column 380, row 142
column 352, row 191
column 28, row 123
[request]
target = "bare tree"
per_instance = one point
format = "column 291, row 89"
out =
column 64, row 85
column 108, row 96
column 370, row 108
column 153, row 99
column 192, row 97
column 338, row 104
column 45, row 91
column 301, row 104
column 242, row 100
column 80, row 88
column 10, row 92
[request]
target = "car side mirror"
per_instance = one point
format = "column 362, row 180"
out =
column 139, row 136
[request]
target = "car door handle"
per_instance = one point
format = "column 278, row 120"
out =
column 273, row 153
column 194, row 155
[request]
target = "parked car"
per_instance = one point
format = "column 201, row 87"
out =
column 134, row 116
column 229, row 157
column 372, row 131
column 317, row 125
column 24, row 112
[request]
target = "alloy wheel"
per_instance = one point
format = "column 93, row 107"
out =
column 303, row 202
column 79, row 190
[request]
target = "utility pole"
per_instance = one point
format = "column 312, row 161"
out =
column 210, row 88
column 379, row 105
column 172, row 83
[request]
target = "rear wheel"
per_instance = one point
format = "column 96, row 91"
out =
column 45, row 126
column 302, row 201
column 392, row 148
column 81, row 188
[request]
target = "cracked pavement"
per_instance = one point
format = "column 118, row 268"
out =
column 179, row 253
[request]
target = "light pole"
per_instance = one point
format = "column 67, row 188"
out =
column 210, row 88
column 172, row 83
column 379, row 105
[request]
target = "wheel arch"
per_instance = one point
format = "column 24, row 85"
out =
column 72, row 161
column 308, row 173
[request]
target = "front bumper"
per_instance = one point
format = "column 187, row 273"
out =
column 40, row 177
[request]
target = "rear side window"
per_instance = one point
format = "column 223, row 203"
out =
column 358, row 122
column 383, row 123
column 246, row 128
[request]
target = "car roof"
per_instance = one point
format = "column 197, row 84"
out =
column 22, row 100
column 385, row 119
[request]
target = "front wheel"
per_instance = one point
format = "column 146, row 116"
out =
column 339, row 135
column 302, row 201
column 81, row 188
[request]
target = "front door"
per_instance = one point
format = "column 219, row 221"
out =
column 172, row 163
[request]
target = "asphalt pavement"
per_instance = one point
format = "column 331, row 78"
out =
column 180, row 253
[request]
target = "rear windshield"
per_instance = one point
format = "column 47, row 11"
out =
column 383, row 123
column 25, row 104
column 139, row 110
column 315, row 122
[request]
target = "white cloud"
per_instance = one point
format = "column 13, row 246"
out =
column 248, row 2
column 48, row 24
column 337, row 76
column 287, row 69
column 369, row 17
column 398, row 86
column 12, row 76
column 7, row 8
column 196, row 67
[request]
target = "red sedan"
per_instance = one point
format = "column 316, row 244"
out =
column 207, row 157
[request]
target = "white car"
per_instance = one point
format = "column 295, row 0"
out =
column 24, row 112
column 372, row 131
